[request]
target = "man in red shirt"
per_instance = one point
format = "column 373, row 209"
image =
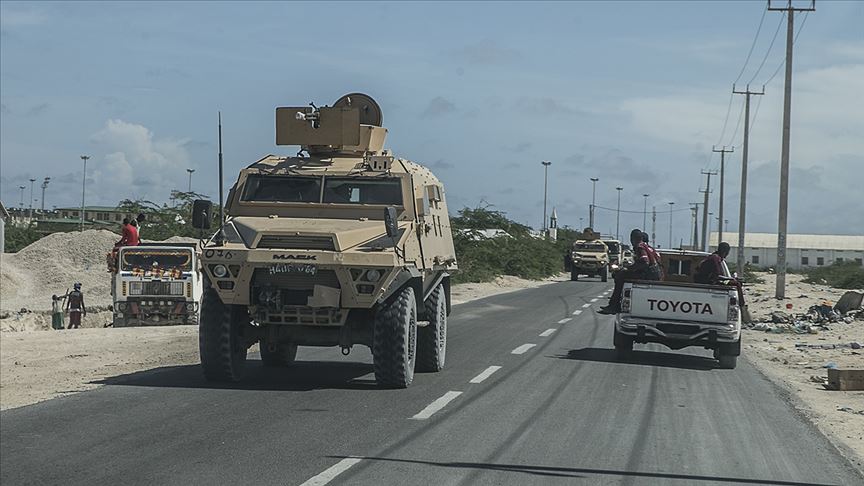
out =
column 710, row 269
column 646, row 266
column 129, row 236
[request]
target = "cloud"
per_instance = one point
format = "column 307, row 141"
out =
column 520, row 147
column 22, row 17
column 136, row 160
column 37, row 109
column 544, row 106
column 438, row 106
column 485, row 53
column 441, row 164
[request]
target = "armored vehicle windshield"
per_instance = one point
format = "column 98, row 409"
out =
column 386, row 191
column 589, row 247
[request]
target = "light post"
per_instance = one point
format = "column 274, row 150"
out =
column 581, row 223
column 670, row 224
column 85, row 158
column 44, row 185
column 190, row 171
column 645, row 211
column 31, row 197
column 593, row 195
column 618, row 216
column 546, row 165
column 22, row 197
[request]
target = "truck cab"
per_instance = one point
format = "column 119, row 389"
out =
column 616, row 255
column 679, row 313
column 156, row 285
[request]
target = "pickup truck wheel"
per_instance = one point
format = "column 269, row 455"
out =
column 623, row 344
column 604, row 274
column 279, row 356
column 394, row 340
column 574, row 275
column 220, row 340
column 727, row 362
column 432, row 338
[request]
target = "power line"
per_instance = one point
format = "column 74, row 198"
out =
column 783, row 62
column 726, row 121
column 638, row 212
column 737, row 125
column 770, row 46
column 755, row 38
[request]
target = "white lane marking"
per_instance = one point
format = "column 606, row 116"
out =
column 523, row 348
column 586, row 305
column 601, row 296
column 577, row 312
column 547, row 332
column 330, row 473
column 565, row 320
column 485, row 374
column 436, row 405
column 594, row 300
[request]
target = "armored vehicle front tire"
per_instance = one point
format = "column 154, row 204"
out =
column 574, row 275
column 394, row 340
column 277, row 354
column 432, row 338
column 220, row 339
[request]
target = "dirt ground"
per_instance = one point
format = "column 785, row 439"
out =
column 38, row 364
column 801, row 370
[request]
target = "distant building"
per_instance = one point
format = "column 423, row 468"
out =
column 802, row 251
column 4, row 215
column 96, row 214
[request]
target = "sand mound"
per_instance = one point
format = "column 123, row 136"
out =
column 51, row 265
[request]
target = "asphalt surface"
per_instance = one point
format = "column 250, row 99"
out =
column 564, row 411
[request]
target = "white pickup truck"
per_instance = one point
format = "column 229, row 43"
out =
column 678, row 313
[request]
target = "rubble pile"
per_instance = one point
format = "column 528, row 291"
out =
column 819, row 317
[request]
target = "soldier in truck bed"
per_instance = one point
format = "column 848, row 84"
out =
column 646, row 266
column 710, row 269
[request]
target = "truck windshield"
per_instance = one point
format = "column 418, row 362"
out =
column 589, row 247
column 337, row 190
column 180, row 259
column 614, row 248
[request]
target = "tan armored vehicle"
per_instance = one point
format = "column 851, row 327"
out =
column 341, row 244
column 588, row 256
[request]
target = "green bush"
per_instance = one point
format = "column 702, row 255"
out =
column 521, row 255
column 843, row 275
column 17, row 237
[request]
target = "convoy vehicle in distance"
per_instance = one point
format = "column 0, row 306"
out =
column 616, row 255
column 156, row 284
column 588, row 256
column 678, row 313
column 346, row 244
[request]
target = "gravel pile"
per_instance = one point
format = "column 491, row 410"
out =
column 51, row 265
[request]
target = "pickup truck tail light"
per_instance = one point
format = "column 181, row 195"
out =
column 733, row 310
column 625, row 301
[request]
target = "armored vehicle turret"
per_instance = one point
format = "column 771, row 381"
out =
column 343, row 243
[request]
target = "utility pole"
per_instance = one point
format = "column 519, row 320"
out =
column 695, row 239
column 22, row 197
column 618, row 216
column 85, row 158
column 546, row 165
column 723, row 153
column 31, row 198
column 742, row 211
column 644, row 210
column 190, row 171
column 707, row 191
column 44, row 185
column 654, row 225
column 671, row 245
column 780, row 291
column 593, row 197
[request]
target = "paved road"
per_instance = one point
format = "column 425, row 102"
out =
column 559, row 410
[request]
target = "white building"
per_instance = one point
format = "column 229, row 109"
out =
column 802, row 251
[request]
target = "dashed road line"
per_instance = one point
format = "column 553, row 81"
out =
column 330, row 473
column 547, row 332
column 565, row 320
column 523, row 348
column 577, row 312
column 485, row 374
column 436, row 405
column 586, row 306
column 594, row 299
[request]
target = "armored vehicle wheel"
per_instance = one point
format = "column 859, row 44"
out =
column 432, row 338
column 277, row 355
column 623, row 344
column 394, row 340
column 574, row 275
column 604, row 274
column 220, row 340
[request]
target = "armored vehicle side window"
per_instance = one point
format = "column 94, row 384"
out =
column 356, row 190
column 282, row 189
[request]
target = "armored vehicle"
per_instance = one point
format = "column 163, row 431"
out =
column 588, row 256
column 342, row 244
column 616, row 255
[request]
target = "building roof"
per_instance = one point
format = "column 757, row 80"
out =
column 810, row 242
column 94, row 209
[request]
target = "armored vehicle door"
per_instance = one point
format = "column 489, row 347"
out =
column 433, row 227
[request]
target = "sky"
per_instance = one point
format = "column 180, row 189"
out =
column 633, row 93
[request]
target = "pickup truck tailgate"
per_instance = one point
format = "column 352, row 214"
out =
column 655, row 301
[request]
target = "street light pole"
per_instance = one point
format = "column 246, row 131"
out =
column 44, row 185
column 190, row 171
column 85, row 158
column 645, row 211
column 618, row 216
column 670, row 224
column 31, row 197
column 593, row 196
column 22, row 196
column 546, row 165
